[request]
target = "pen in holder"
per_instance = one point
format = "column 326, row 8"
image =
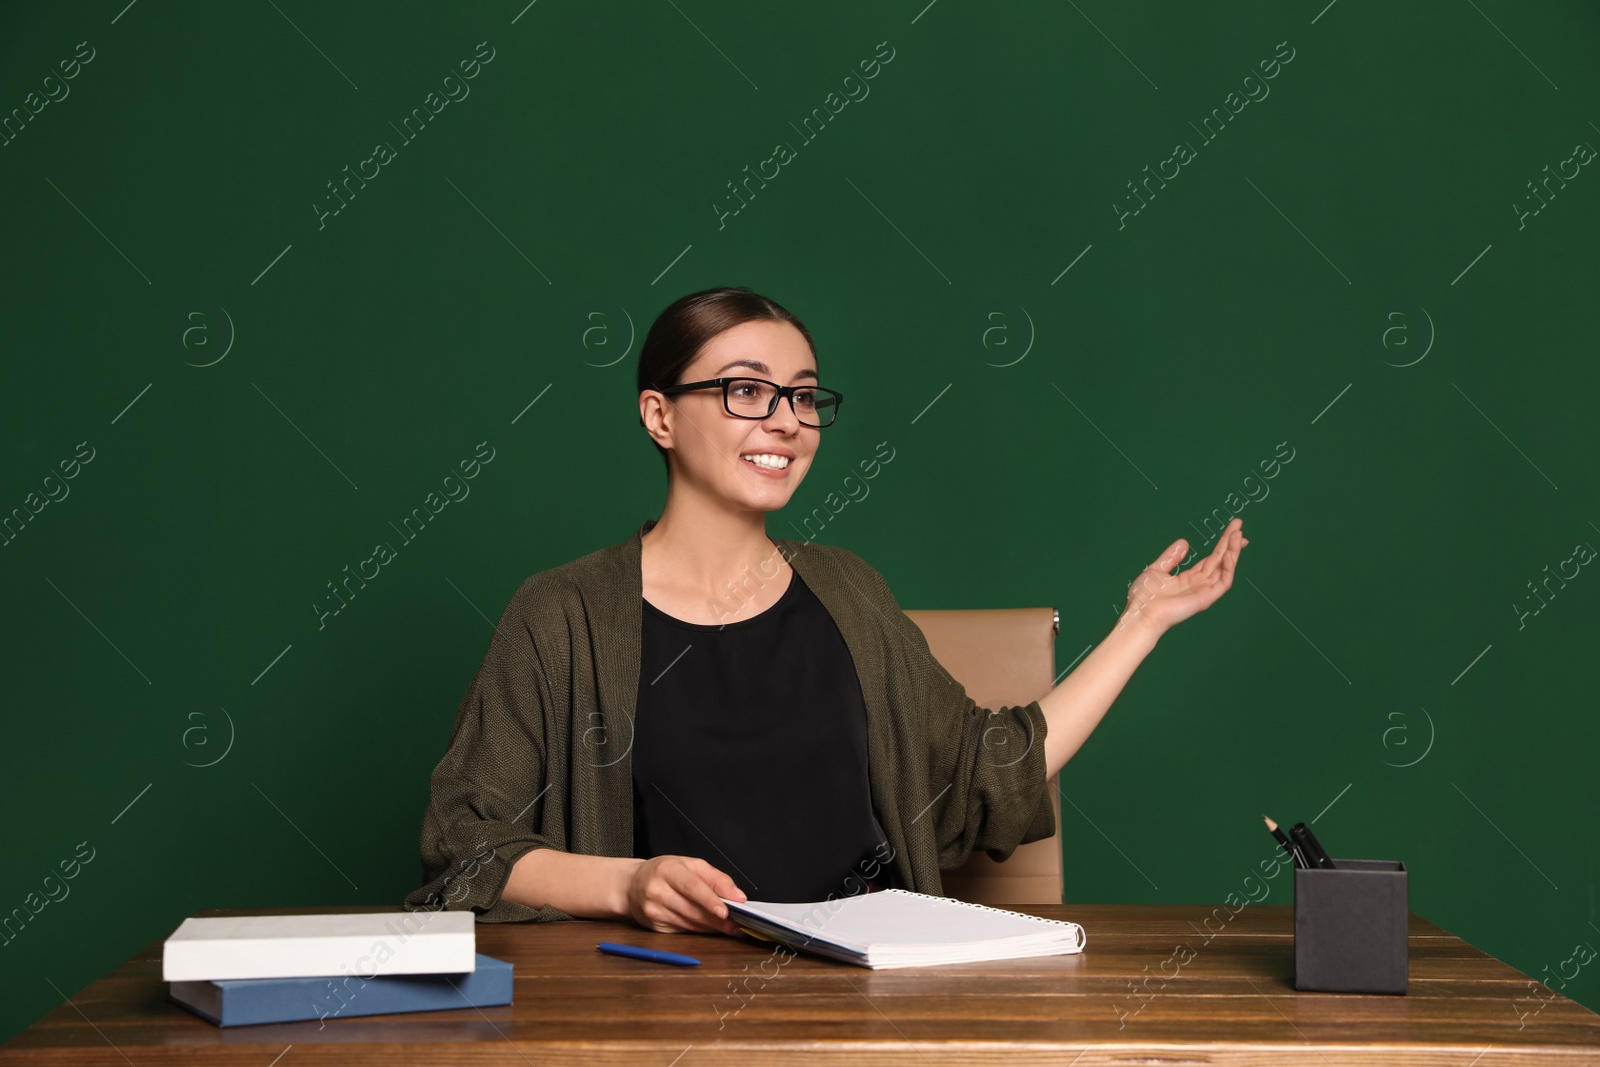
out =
column 1350, row 927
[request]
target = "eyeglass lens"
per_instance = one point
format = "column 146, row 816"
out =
column 752, row 399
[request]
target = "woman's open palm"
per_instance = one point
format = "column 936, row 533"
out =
column 1160, row 599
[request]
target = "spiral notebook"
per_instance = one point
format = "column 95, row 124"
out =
column 899, row 928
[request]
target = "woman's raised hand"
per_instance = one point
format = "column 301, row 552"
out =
column 679, row 894
column 1160, row 599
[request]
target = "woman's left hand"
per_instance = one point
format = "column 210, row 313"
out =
column 1160, row 599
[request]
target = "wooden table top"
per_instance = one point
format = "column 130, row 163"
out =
column 1229, row 999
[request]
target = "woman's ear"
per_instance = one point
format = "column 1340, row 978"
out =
column 652, row 415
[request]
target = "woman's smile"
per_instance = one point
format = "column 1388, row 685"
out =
column 772, row 464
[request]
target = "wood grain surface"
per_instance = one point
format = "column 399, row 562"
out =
column 1132, row 997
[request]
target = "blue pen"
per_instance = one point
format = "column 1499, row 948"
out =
column 635, row 952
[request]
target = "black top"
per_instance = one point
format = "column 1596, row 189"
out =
column 751, row 751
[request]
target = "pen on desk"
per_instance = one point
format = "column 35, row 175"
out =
column 1309, row 845
column 653, row 955
column 1288, row 846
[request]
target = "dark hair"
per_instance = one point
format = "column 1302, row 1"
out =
column 684, row 327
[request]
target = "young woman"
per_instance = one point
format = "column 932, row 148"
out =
column 704, row 711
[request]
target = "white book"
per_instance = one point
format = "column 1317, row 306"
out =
column 316, row 945
column 899, row 928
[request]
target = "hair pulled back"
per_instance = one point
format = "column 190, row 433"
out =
column 684, row 326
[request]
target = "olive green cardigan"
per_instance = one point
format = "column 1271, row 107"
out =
column 540, row 753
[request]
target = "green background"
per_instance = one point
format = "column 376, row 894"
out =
column 1053, row 429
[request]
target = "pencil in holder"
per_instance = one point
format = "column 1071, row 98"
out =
column 1350, row 927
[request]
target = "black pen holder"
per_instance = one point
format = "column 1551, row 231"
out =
column 1350, row 927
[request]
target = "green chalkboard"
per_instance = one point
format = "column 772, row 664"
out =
column 1100, row 275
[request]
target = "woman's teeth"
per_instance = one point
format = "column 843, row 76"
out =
column 776, row 463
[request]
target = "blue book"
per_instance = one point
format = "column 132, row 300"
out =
column 245, row 1001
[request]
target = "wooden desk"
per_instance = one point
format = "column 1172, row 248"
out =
column 1233, row 1002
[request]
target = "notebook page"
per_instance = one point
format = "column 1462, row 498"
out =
column 900, row 917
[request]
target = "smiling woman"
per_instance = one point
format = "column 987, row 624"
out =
column 703, row 713
column 680, row 666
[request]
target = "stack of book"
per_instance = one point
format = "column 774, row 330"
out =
column 240, row 970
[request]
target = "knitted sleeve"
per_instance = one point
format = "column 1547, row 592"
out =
column 486, row 793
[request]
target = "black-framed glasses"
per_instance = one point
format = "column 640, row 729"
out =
column 757, row 398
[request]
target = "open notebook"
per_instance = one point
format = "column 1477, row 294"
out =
column 899, row 928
